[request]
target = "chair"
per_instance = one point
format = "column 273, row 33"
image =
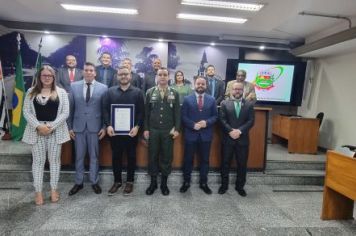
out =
column 320, row 116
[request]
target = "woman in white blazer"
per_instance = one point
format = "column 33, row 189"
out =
column 46, row 109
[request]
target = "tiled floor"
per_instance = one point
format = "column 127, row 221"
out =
column 267, row 209
column 262, row 212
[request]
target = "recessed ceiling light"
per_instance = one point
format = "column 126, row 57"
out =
column 73, row 7
column 262, row 47
column 160, row 40
column 104, row 36
column 212, row 44
column 46, row 32
column 211, row 18
column 223, row 4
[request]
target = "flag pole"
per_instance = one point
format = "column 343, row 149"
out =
column 5, row 98
column 37, row 59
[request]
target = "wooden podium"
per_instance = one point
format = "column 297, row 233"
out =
column 301, row 133
column 256, row 159
column 339, row 187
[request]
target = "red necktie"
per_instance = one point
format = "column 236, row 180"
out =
column 200, row 102
column 71, row 75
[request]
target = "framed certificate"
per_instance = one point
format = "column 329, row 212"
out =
column 122, row 118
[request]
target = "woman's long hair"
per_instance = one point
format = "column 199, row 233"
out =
column 39, row 86
column 175, row 76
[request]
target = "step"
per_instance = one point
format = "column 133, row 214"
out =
column 106, row 176
column 295, row 165
column 16, row 158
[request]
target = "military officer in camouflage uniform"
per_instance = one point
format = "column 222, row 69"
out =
column 161, row 127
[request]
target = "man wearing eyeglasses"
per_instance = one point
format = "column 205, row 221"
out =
column 237, row 118
column 123, row 93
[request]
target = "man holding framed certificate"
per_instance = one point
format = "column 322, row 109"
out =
column 123, row 115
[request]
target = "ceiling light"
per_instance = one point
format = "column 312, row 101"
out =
column 223, row 4
column 262, row 47
column 160, row 40
column 104, row 36
column 212, row 44
column 73, row 7
column 46, row 32
column 211, row 18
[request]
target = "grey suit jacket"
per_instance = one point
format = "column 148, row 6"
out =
column 59, row 125
column 62, row 77
column 86, row 115
column 244, row 122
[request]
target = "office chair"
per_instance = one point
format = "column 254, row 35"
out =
column 320, row 116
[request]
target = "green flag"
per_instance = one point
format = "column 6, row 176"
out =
column 37, row 68
column 18, row 120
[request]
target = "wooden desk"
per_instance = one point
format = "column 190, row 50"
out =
column 256, row 159
column 301, row 133
column 339, row 187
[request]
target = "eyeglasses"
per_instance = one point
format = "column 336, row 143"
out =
column 47, row 76
column 123, row 74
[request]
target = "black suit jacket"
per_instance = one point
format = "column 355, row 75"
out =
column 62, row 77
column 219, row 89
column 149, row 81
column 111, row 75
column 136, row 80
column 244, row 122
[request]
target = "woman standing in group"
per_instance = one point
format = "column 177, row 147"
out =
column 183, row 87
column 46, row 108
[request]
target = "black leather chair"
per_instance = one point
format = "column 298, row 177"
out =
column 320, row 116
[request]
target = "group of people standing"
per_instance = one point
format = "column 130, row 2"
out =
column 76, row 104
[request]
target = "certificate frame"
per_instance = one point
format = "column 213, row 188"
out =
column 126, row 110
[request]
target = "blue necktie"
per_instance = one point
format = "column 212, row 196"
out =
column 212, row 84
column 105, row 75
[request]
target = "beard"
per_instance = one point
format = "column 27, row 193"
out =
column 200, row 91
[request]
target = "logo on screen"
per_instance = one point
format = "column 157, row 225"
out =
column 266, row 78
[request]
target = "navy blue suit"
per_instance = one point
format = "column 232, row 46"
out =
column 200, row 139
column 111, row 74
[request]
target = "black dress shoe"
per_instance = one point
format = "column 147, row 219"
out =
column 222, row 189
column 241, row 192
column 114, row 188
column 184, row 187
column 96, row 188
column 165, row 190
column 205, row 188
column 151, row 189
column 75, row 189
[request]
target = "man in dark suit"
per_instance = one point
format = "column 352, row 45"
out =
column 199, row 113
column 68, row 74
column 86, row 125
column 136, row 79
column 105, row 74
column 150, row 77
column 215, row 86
column 237, row 118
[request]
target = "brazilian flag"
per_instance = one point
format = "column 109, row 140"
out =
column 18, row 121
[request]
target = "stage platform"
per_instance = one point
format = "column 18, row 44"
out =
column 281, row 168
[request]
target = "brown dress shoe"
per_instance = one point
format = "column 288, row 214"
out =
column 54, row 196
column 114, row 188
column 128, row 188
